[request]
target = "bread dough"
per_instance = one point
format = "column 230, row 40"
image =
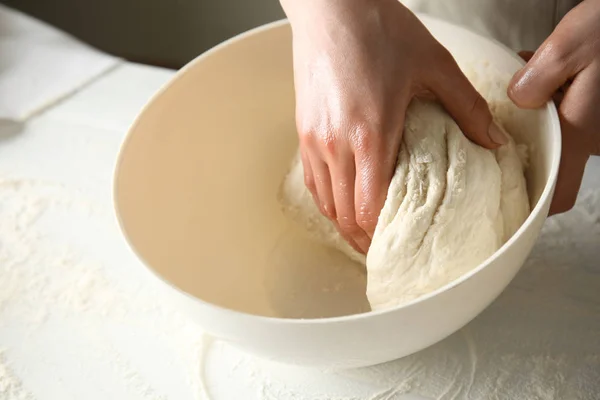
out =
column 450, row 205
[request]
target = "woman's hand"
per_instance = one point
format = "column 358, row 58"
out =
column 566, row 68
column 357, row 65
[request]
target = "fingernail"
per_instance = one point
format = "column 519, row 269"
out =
column 519, row 83
column 521, row 76
column 516, row 83
column 496, row 134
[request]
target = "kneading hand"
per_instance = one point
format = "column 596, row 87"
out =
column 357, row 65
column 566, row 68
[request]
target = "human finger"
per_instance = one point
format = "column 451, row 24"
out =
column 580, row 124
column 468, row 108
column 343, row 175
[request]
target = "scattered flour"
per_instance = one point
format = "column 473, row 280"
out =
column 43, row 281
column 11, row 387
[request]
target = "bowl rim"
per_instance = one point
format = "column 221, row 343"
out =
column 555, row 131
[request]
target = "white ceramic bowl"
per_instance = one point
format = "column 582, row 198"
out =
column 195, row 193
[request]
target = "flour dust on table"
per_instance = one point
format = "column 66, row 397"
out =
column 11, row 386
column 60, row 307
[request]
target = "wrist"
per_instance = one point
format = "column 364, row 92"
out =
column 306, row 12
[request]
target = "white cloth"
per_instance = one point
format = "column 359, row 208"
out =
column 519, row 24
column 40, row 65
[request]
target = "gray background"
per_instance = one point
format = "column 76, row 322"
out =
column 159, row 32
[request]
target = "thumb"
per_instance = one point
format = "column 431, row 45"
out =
column 534, row 84
column 468, row 108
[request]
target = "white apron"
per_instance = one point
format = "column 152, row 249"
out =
column 519, row 24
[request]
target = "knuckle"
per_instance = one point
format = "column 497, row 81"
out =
column 329, row 142
column 309, row 182
column 364, row 141
column 328, row 210
column 367, row 141
column 478, row 104
column 556, row 53
column 367, row 215
column 366, row 219
column 349, row 226
column 306, row 137
column 479, row 114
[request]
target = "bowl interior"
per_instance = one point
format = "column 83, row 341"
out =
column 197, row 178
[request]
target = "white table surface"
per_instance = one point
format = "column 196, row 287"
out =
column 80, row 319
